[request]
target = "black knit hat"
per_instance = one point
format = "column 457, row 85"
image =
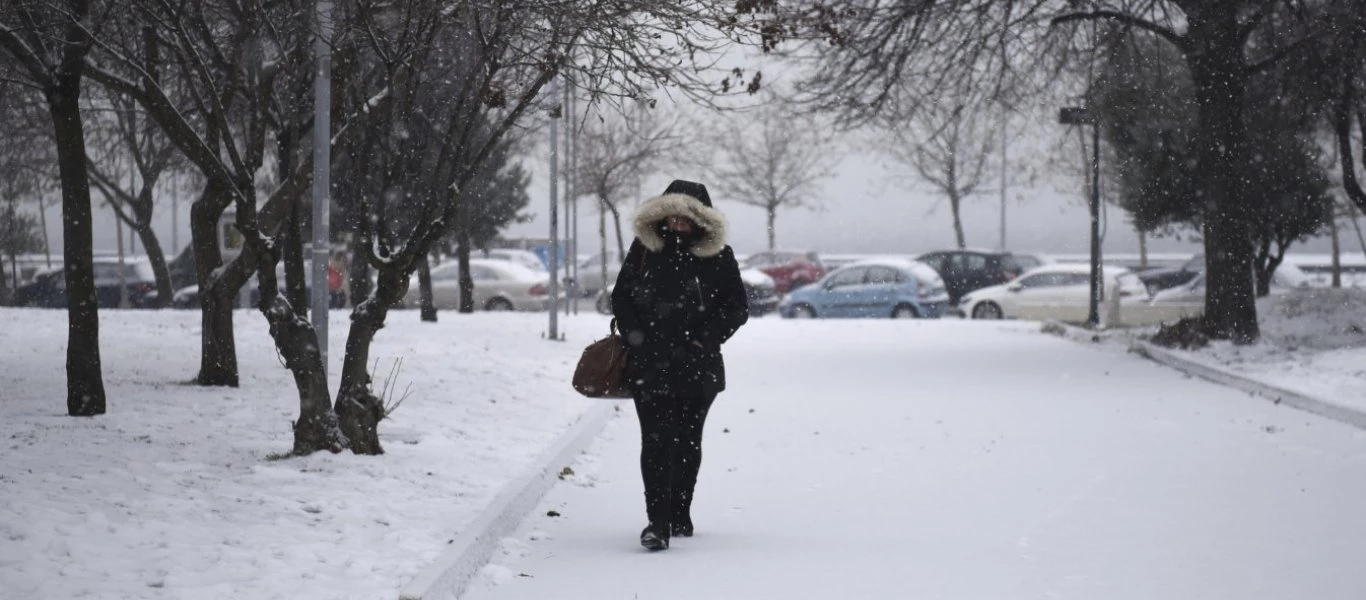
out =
column 689, row 188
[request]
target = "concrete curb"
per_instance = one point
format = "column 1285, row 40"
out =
column 452, row 572
column 1277, row 395
column 1074, row 333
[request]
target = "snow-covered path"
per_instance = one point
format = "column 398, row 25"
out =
column 955, row 460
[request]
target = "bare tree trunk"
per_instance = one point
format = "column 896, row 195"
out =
column 772, row 227
column 1264, row 267
column 955, row 207
column 296, row 277
column 1142, row 249
column 1361, row 239
column 602, row 237
column 84, row 382
column 42, row 222
column 1218, row 71
column 157, row 257
column 1337, row 252
column 427, row 298
column 218, row 347
column 358, row 410
column 616, row 218
column 359, row 281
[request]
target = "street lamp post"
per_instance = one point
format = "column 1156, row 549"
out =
column 322, row 170
column 1085, row 116
column 554, row 250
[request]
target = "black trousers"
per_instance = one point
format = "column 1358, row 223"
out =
column 670, row 453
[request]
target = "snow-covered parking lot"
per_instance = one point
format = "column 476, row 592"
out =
column 848, row 460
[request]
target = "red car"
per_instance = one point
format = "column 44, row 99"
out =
column 789, row 269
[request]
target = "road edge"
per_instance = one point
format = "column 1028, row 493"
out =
column 451, row 573
column 1276, row 394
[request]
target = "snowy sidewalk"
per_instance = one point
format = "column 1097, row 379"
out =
column 955, row 460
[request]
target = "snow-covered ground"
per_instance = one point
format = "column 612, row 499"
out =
column 172, row 494
column 1313, row 342
column 944, row 459
column 961, row 460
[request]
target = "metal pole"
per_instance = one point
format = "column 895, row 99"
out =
column 322, row 163
column 574, row 194
column 568, row 191
column 1093, row 314
column 1005, row 120
column 554, row 250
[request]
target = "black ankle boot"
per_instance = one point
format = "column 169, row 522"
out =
column 681, row 527
column 655, row 537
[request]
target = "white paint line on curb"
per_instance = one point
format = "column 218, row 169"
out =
column 452, row 572
column 1278, row 395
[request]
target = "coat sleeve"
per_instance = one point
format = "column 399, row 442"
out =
column 623, row 308
column 729, row 301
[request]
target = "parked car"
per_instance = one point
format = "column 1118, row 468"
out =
column 526, row 258
column 1286, row 278
column 1059, row 289
column 790, row 270
column 898, row 289
column 1163, row 278
column 967, row 270
column 48, row 288
column 188, row 296
column 499, row 285
column 590, row 281
column 760, row 293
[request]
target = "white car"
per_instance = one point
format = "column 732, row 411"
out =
column 498, row 285
column 1286, row 278
column 526, row 258
column 1054, row 291
column 590, row 280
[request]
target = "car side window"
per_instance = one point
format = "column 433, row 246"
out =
column 883, row 276
column 449, row 273
column 1078, row 279
column 483, row 274
column 1038, row 280
column 971, row 262
column 847, row 277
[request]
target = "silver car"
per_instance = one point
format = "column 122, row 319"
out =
column 498, row 285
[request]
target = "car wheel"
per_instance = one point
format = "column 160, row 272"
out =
column 987, row 310
column 498, row 305
column 803, row 311
column 905, row 311
column 604, row 304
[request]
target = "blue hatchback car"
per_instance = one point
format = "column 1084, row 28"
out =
column 883, row 288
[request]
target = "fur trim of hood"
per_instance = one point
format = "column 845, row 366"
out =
column 710, row 220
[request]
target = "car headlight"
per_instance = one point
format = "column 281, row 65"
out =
column 965, row 300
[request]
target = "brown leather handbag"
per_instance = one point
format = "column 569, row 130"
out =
column 601, row 372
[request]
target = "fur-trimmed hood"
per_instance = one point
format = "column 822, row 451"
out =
column 708, row 219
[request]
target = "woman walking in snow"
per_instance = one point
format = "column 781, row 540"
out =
column 678, row 297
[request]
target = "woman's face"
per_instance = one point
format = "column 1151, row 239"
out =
column 678, row 224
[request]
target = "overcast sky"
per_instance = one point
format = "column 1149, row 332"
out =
column 868, row 206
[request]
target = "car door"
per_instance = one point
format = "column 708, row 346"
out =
column 488, row 283
column 878, row 294
column 446, row 286
column 836, row 297
column 1032, row 292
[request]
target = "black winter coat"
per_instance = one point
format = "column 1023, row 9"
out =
column 664, row 302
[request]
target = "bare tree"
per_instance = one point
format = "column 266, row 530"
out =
column 130, row 157
column 617, row 151
column 775, row 164
column 49, row 42
column 881, row 56
column 949, row 146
